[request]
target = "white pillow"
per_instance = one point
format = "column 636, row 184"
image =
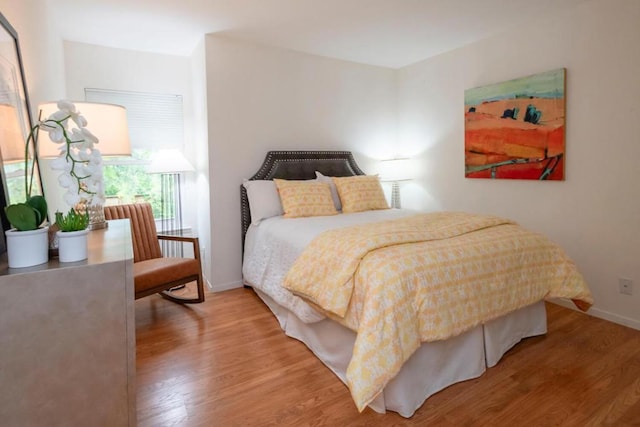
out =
column 264, row 200
column 334, row 190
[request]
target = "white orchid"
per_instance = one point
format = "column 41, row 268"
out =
column 79, row 162
column 89, row 138
column 61, row 163
column 95, row 157
column 69, row 109
column 65, row 180
column 55, row 130
column 71, row 198
column 83, row 138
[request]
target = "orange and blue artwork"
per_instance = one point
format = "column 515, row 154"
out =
column 516, row 129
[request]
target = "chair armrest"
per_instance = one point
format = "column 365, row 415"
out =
column 192, row 240
column 178, row 238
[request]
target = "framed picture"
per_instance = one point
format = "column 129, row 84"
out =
column 516, row 129
column 15, row 125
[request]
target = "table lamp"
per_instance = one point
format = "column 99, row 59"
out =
column 13, row 141
column 394, row 171
column 170, row 164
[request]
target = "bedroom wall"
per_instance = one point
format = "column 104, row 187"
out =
column 200, row 137
column 263, row 98
column 595, row 213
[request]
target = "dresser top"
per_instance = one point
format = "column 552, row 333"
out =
column 111, row 244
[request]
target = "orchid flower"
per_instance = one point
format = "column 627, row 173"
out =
column 79, row 162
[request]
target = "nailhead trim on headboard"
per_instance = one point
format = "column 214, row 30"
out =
column 298, row 165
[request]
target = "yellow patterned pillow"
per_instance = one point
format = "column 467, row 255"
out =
column 360, row 193
column 305, row 198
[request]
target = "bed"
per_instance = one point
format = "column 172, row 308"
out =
column 271, row 246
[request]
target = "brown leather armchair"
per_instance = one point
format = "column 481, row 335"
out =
column 152, row 272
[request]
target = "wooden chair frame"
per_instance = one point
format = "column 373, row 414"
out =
column 162, row 289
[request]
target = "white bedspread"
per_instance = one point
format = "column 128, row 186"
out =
column 273, row 245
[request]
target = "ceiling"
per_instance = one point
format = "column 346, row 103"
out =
column 388, row 33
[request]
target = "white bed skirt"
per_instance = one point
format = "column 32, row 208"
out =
column 433, row 367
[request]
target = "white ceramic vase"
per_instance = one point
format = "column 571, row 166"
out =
column 72, row 245
column 27, row 248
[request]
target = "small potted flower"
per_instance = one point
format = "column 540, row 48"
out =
column 28, row 240
column 72, row 235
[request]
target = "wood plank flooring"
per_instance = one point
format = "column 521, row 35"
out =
column 226, row 362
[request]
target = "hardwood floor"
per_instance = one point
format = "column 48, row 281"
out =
column 226, row 362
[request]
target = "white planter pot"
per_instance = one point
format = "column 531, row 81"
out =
column 27, row 248
column 72, row 245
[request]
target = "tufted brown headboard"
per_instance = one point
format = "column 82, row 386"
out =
column 298, row 165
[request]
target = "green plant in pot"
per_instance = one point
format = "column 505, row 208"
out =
column 80, row 167
column 29, row 215
column 72, row 221
column 28, row 240
column 72, row 236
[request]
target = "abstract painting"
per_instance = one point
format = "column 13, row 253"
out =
column 515, row 129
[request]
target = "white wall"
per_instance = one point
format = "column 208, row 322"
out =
column 595, row 213
column 201, row 147
column 262, row 98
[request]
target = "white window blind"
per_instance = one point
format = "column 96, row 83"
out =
column 155, row 120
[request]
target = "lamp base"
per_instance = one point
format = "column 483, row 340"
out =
column 395, row 195
column 96, row 215
column 98, row 225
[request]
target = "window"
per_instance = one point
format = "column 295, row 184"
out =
column 155, row 122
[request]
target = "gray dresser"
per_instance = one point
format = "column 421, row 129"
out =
column 67, row 338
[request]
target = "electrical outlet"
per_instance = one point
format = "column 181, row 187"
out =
column 626, row 286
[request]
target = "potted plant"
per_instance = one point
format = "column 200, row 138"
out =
column 79, row 162
column 80, row 166
column 28, row 240
column 72, row 236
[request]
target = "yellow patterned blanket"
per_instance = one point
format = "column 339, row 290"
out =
column 428, row 277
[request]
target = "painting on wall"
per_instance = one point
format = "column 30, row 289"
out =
column 515, row 129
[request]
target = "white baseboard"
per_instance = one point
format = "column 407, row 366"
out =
column 226, row 286
column 602, row 314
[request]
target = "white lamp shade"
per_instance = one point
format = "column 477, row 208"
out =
column 108, row 122
column 395, row 170
column 169, row 160
column 13, row 142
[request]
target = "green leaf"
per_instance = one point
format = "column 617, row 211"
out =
column 22, row 216
column 39, row 203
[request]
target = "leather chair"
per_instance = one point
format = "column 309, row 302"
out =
column 152, row 272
